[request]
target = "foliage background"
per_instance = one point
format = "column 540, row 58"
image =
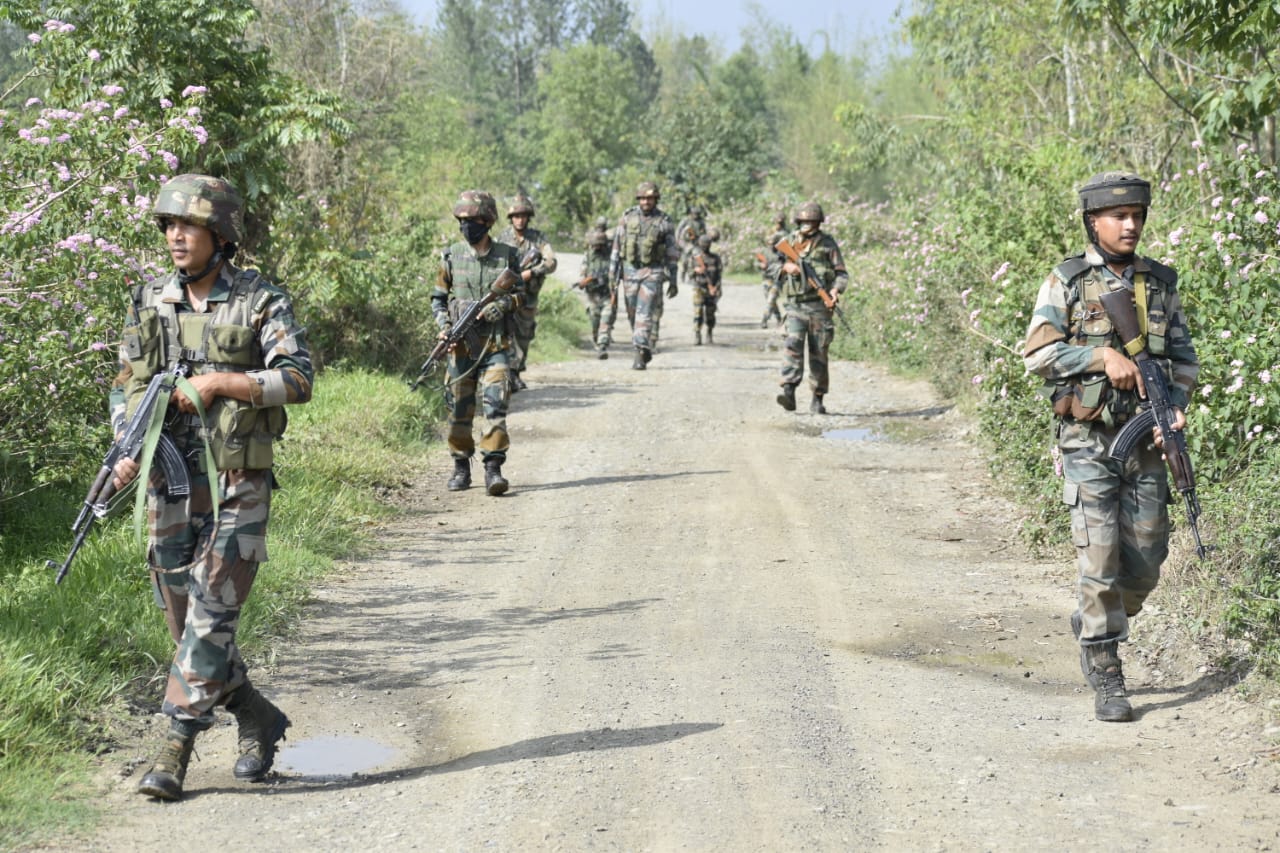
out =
column 946, row 159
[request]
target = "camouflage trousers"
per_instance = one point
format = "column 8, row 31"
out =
column 646, row 296
column 202, row 573
column 487, row 378
column 596, row 303
column 808, row 325
column 1119, row 525
column 524, row 321
column 704, row 307
column 771, row 310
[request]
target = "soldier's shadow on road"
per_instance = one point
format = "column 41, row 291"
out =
column 548, row 746
column 622, row 478
column 563, row 396
column 1207, row 685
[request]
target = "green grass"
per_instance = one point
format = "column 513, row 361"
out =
column 77, row 656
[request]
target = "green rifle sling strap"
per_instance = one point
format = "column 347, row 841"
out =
column 155, row 426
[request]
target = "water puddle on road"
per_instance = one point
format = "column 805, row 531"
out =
column 856, row 434
column 333, row 757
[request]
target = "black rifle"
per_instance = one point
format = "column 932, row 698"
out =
column 1157, row 410
column 502, row 286
column 786, row 250
column 98, row 503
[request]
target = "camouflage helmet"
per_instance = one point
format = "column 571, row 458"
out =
column 714, row 234
column 779, row 219
column 810, row 211
column 598, row 238
column 475, row 204
column 520, row 204
column 1112, row 189
column 202, row 200
column 647, row 188
column 705, row 241
column 602, row 223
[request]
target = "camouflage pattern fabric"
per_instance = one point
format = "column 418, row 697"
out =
column 203, row 573
column 465, row 276
column 525, row 318
column 648, row 255
column 487, row 378
column 823, row 254
column 706, row 269
column 808, row 325
column 1119, row 526
column 202, row 200
column 772, row 287
column 595, row 296
column 1119, row 515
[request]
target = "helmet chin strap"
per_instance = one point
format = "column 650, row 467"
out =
column 186, row 278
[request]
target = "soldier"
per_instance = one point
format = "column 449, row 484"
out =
column 1119, row 514
column 479, row 365
column 706, row 269
column 809, row 320
column 771, row 288
column 524, row 238
column 236, row 333
column 644, row 256
column 593, row 283
column 693, row 226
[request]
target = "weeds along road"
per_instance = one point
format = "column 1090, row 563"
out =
column 698, row 623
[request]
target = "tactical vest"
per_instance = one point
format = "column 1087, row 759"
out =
column 222, row 340
column 1092, row 397
column 471, row 278
column 706, row 268
column 646, row 243
column 818, row 251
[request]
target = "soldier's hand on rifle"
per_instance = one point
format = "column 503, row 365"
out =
column 791, row 268
column 1122, row 372
column 124, row 472
column 492, row 312
column 210, row 386
column 1179, row 422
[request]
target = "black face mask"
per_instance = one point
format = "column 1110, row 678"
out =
column 473, row 231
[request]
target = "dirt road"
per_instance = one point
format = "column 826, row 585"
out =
column 699, row 622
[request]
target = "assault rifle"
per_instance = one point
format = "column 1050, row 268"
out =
column 783, row 247
column 1157, row 410
column 99, row 503
column 615, row 268
column 502, row 286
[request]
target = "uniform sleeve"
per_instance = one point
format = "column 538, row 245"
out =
column 548, row 264
column 440, row 293
column 840, row 280
column 669, row 238
column 118, row 397
column 1183, row 360
column 288, row 373
column 1047, row 352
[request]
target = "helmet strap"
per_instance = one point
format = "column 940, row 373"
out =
column 187, row 278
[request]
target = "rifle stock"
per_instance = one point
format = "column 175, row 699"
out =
column 1157, row 411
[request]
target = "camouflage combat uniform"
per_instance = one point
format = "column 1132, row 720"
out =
column 809, row 322
column 203, row 571
column 705, row 268
column 480, row 364
column 1119, row 510
column 688, row 231
column 593, row 284
column 525, row 318
column 771, row 286
column 645, row 247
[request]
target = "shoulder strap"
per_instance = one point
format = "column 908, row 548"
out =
column 1073, row 266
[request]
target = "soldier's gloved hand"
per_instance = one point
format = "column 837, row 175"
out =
column 491, row 312
column 672, row 290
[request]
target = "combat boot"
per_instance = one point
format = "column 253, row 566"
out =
column 1105, row 676
column 711, row 338
column 816, row 407
column 260, row 726
column 601, row 353
column 787, row 399
column 494, row 483
column 164, row 780
column 697, row 336
column 461, row 478
column 638, row 362
column 764, row 323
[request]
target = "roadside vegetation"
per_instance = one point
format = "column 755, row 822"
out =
column 946, row 159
